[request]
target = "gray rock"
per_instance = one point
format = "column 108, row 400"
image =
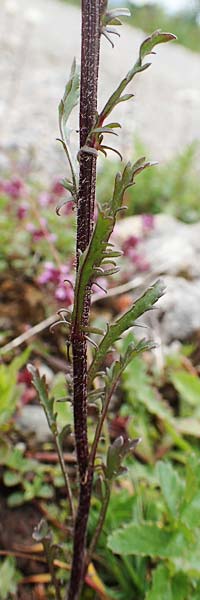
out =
column 172, row 250
column 32, row 419
column 39, row 40
column 178, row 311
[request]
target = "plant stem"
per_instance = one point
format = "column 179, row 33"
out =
column 99, row 525
column 65, row 475
column 50, row 561
column 85, row 219
column 101, row 421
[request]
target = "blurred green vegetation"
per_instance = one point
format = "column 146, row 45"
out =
column 172, row 187
column 150, row 539
column 184, row 24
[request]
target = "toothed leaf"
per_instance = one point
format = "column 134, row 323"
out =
column 127, row 320
column 116, row 453
column 146, row 47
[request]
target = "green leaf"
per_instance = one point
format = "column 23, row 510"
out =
column 116, row 453
column 190, row 509
column 110, row 17
column 188, row 426
column 71, row 95
column 190, row 514
column 188, row 386
column 4, row 451
column 158, row 37
column 161, row 585
column 15, row 499
column 9, row 390
column 91, row 259
column 46, row 491
column 11, row 478
column 139, row 388
column 179, row 585
column 9, row 577
column 42, row 389
column 115, row 371
column 98, row 252
column 188, row 560
column 127, row 320
column 172, row 487
column 147, row 539
column 112, row 375
column 41, row 531
column 164, row 587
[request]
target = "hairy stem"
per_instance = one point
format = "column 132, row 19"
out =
column 85, row 219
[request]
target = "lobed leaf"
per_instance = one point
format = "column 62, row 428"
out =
column 158, row 37
column 127, row 320
column 116, row 453
column 99, row 252
column 112, row 374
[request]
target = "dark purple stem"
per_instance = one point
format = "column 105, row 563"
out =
column 85, row 220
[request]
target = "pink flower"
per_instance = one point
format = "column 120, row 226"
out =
column 22, row 211
column 24, row 377
column 68, row 207
column 51, row 274
column 141, row 263
column 148, row 222
column 14, row 188
column 57, row 188
column 45, row 199
column 130, row 243
column 129, row 249
column 36, row 232
column 64, row 293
